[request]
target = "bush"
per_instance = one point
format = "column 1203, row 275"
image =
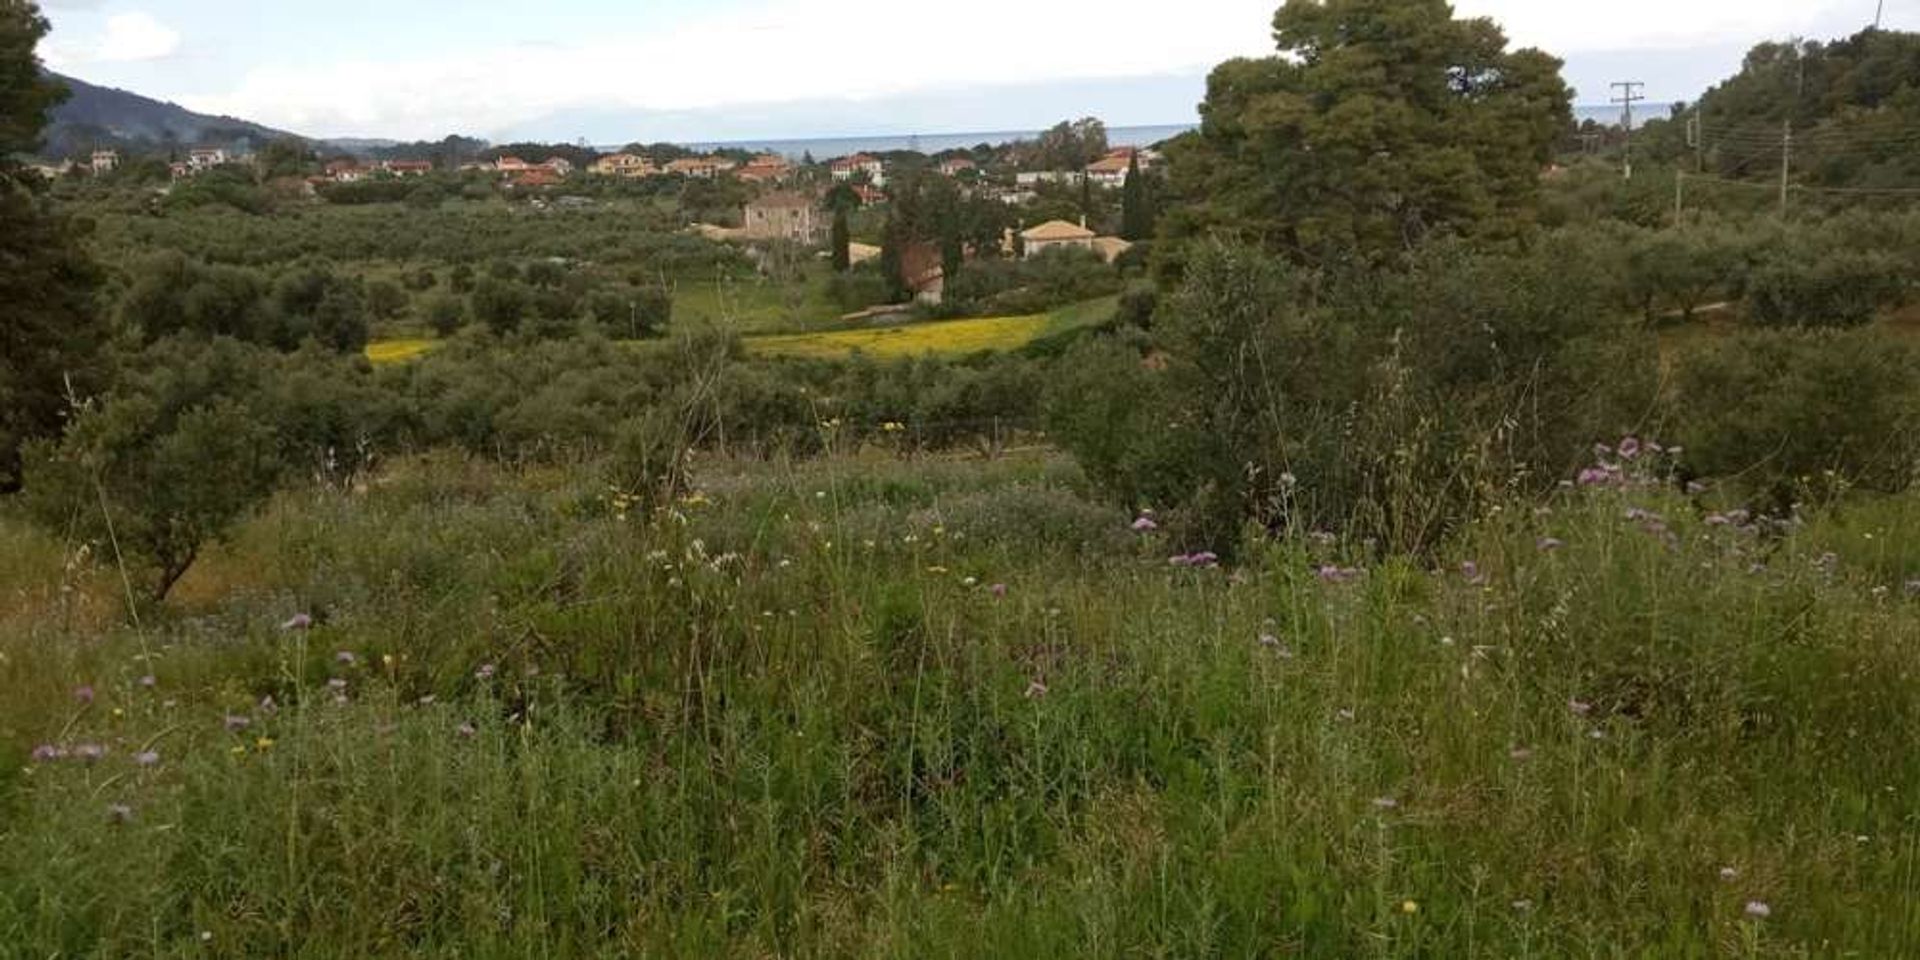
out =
column 446, row 314
column 1802, row 411
column 1831, row 288
column 1384, row 404
column 198, row 434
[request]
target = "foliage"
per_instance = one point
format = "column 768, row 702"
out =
column 1382, row 122
column 1789, row 412
column 196, row 434
column 1068, row 145
column 50, row 332
column 1386, row 405
column 26, row 92
column 1808, row 286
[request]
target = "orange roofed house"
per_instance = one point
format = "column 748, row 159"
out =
column 846, row 168
column 767, row 168
column 1055, row 235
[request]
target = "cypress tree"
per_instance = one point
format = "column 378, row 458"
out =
column 842, row 241
column 1135, row 221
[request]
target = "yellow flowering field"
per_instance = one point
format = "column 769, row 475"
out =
column 953, row 337
column 399, row 351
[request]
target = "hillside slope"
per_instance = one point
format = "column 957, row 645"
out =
column 95, row 116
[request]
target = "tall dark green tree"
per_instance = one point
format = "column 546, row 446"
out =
column 1381, row 123
column 50, row 332
column 842, row 201
column 1136, row 221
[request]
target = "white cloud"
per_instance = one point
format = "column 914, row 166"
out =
column 124, row 38
column 135, row 36
column 1563, row 26
column 790, row 51
column 779, row 51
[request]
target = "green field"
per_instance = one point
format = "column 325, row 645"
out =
column 954, row 708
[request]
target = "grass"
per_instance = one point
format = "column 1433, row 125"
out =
column 755, row 304
column 793, row 716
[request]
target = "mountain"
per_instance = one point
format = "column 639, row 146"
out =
column 94, row 117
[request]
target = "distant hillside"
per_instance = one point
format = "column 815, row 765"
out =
column 95, row 117
column 1853, row 106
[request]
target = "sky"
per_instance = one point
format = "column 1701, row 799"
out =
column 613, row 71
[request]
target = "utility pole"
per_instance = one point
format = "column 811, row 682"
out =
column 1879, row 13
column 1679, row 195
column 1629, row 95
column 1786, row 165
column 1697, row 139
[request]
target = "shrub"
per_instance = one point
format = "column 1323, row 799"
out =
column 1787, row 411
column 1831, row 288
column 168, row 463
column 1385, row 404
column 445, row 313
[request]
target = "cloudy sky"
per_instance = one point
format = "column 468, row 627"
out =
column 614, row 70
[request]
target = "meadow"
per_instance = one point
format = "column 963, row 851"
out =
column 878, row 705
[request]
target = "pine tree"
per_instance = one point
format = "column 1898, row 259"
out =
column 50, row 333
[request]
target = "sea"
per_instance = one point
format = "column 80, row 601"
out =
column 932, row 143
column 824, row 148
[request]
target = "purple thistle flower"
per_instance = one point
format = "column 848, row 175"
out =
column 1385, row 803
column 998, row 589
column 83, row 694
column 298, row 621
column 149, row 681
column 345, row 658
column 48, row 753
column 466, row 731
column 1550, row 544
column 485, row 672
column 1145, row 525
column 147, row 758
column 1036, row 690
column 1758, row 909
column 90, row 752
column 337, row 685
column 1630, row 448
column 236, row 723
column 1729, row 874
column 1580, row 708
column 1471, row 572
column 1337, row 575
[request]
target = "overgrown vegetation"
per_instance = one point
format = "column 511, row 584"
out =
column 1405, row 553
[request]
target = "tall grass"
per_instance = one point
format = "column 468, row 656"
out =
column 952, row 709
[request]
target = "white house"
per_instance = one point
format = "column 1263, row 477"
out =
column 206, row 158
column 846, row 168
